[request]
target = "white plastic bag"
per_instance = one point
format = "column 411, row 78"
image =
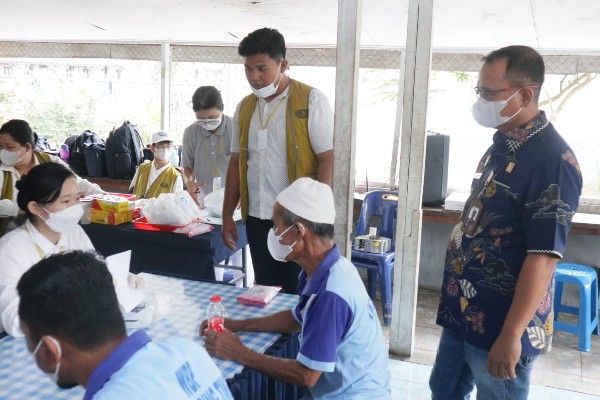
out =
column 171, row 209
column 214, row 202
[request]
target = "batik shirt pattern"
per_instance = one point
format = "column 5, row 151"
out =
column 527, row 185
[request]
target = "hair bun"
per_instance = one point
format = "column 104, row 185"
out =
column 21, row 183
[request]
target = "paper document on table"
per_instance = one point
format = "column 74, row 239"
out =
column 118, row 265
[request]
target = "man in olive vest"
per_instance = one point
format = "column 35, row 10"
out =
column 281, row 132
column 158, row 176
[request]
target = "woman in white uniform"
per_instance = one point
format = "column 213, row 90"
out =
column 17, row 157
column 49, row 197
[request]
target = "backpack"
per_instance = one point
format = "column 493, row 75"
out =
column 95, row 159
column 42, row 143
column 124, row 151
column 77, row 150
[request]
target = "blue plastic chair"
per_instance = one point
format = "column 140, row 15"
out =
column 587, row 280
column 378, row 210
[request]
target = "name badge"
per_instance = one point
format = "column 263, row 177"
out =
column 262, row 139
column 477, row 175
column 216, row 183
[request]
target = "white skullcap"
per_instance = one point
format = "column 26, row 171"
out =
column 161, row 136
column 309, row 199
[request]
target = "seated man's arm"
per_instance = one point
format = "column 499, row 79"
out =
column 280, row 322
column 228, row 346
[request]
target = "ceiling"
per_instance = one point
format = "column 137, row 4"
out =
column 563, row 26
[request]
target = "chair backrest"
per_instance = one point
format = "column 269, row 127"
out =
column 379, row 210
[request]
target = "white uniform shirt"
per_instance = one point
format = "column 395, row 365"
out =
column 154, row 173
column 267, row 169
column 20, row 249
column 206, row 153
column 9, row 207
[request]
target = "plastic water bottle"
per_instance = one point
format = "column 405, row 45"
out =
column 216, row 314
column 63, row 153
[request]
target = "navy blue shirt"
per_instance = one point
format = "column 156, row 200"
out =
column 524, row 194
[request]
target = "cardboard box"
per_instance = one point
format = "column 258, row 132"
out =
column 109, row 217
column 113, row 203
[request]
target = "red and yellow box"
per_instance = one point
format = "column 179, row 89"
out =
column 113, row 218
column 114, row 202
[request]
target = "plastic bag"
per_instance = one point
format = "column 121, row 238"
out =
column 214, row 202
column 171, row 209
column 259, row 295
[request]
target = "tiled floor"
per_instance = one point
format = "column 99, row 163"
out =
column 563, row 373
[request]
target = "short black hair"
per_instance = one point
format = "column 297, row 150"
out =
column 207, row 97
column 20, row 131
column 42, row 184
column 263, row 41
column 71, row 295
column 524, row 65
column 317, row 229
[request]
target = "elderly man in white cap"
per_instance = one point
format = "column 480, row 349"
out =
column 342, row 350
column 155, row 177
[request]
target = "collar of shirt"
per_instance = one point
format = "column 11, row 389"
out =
column 115, row 362
column 161, row 169
column 522, row 133
column 219, row 132
column 42, row 242
column 310, row 286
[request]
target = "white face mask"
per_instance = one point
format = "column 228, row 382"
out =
column 163, row 154
column 64, row 221
column 10, row 158
column 278, row 250
column 210, row 124
column 268, row 90
column 487, row 113
column 51, row 375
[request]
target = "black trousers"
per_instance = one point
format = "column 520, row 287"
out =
column 267, row 270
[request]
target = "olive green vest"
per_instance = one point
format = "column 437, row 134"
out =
column 7, row 188
column 301, row 158
column 164, row 183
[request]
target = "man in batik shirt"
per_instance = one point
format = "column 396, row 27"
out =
column 496, row 297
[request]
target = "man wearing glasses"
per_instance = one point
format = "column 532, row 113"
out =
column 158, row 176
column 496, row 298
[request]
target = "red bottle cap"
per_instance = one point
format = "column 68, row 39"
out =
column 214, row 299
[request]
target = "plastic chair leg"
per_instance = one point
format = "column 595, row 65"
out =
column 372, row 282
column 558, row 289
column 385, row 282
column 585, row 317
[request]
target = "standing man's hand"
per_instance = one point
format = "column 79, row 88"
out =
column 229, row 232
column 193, row 188
column 504, row 356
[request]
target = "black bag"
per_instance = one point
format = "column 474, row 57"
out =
column 123, row 151
column 42, row 143
column 95, row 159
column 77, row 160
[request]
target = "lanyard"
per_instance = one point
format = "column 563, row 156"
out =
column 264, row 126
column 213, row 164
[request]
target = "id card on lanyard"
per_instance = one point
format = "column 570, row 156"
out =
column 474, row 211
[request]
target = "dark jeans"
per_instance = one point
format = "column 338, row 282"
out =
column 268, row 271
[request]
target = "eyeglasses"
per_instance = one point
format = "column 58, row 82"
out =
column 488, row 94
column 163, row 146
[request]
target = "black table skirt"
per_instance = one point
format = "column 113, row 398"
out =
column 164, row 252
column 253, row 385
